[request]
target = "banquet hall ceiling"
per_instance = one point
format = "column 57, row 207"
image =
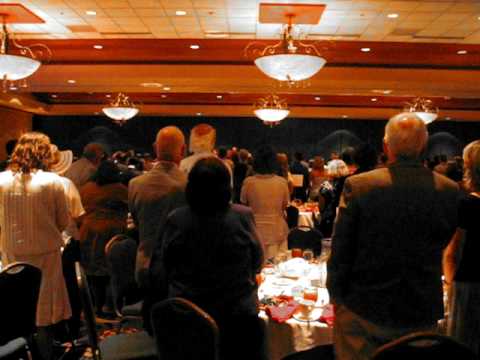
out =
column 429, row 49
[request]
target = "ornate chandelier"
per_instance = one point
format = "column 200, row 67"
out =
column 423, row 108
column 121, row 109
column 18, row 67
column 271, row 110
column 288, row 60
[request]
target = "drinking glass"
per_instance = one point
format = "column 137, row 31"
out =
column 308, row 255
column 297, row 252
column 310, row 293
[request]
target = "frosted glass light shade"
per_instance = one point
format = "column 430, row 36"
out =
column 13, row 67
column 120, row 113
column 272, row 115
column 427, row 117
column 290, row 67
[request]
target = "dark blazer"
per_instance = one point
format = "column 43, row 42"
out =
column 392, row 227
column 213, row 260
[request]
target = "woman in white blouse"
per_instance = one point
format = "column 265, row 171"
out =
column 268, row 196
column 33, row 213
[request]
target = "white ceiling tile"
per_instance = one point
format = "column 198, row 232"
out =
column 113, row 4
column 192, row 35
column 241, row 4
column 184, row 22
column 361, row 15
column 72, row 21
column 245, row 13
column 208, row 3
column 422, row 16
column 145, row 3
column 47, row 3
column 430, row 32
column 84, row 4
column 214, row 24
column 205, row 12
column 146, row 12
column 433, row 6
column 402, row 5
column 135, row 28
column 350, row 30
column 124, row 12
column 456, row 32
column 242, row 27
column 472, row 7
column 452, row 17
column 128, row 21
column 340, row 5
column 158, row 22
column 320, row 29
column 176, row 4
column 369, row 5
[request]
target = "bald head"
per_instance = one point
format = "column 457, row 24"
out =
column 202, row 138
column 170, row 144
column 406, row 136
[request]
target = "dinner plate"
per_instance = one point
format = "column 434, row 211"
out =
column 282, row 282
column 313, row 316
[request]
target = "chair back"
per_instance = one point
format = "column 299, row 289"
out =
column 121, row 253
column 292, row 216
column 20, row 287
column 305, row 237
column 183, row 331
column 88, row 311
column 423, row 345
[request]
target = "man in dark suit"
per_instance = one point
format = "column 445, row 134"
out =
column 384, row 274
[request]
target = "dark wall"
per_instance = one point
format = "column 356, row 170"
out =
column 310, row 136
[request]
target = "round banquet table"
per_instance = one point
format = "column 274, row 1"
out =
column 294, row 335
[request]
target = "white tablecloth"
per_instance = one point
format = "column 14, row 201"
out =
column 293, row 335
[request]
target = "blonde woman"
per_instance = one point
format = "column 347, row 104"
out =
column 33, row 213
column 462, row 255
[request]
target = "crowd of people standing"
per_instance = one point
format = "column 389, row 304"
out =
column 206, row 223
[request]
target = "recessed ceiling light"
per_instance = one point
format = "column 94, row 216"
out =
column 219, row 97
column 98, row 47
column 180, row 13
column 462, row 52
column 71, row 81
column 448, row 118
column 164, row 96
column 167, row 88
column 199, row 114
column 151, row 85
column 91, row 12
column 392, row 16
column 344, row 116
column 365, row 49
column 108, row 96
column 194, row 47
column 13, row 87
column 380, row 91
column 96, row 113
column 54, row 96
column 317, row 98
column 373, row 99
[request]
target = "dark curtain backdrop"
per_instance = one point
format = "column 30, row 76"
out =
column 310, row 136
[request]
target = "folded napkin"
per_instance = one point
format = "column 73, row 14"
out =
column 283, row 312
column 328, row 315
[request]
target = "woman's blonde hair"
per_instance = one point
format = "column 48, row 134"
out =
column 32, row 152
column 471, row 161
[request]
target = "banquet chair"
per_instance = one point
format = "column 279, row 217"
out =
column 292, row 216
column 183, row 331
column 21, row 281
column 121, row 253
column 423, row 345
column 132, row 346
column 305, row 237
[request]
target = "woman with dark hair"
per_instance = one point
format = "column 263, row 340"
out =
column 33, row 213
column 268, row 196
column 461, row 258
column 211, row 254
column 105, row 201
